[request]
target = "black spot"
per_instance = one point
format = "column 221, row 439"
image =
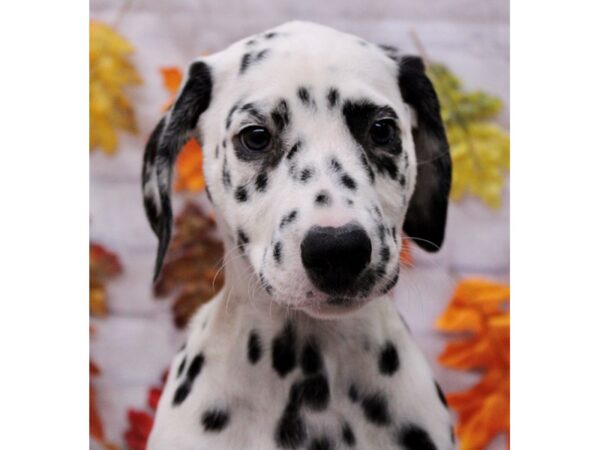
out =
column 322, row 199
column 217, row 151
column 215, row 419
column 321, row 443
column 265, row 283
column 291, row 430
column 294, row 150
column 288, row 219
column 452, row 436
column 250, row 43
column 348, row 435
column 242, row 239
column 332, row 97
column 353, row 393
column 394, row 235
column 280, row 115
column 388, row 359
column 277, row 252
column 413, row 437
column 241, row 194
column 306, row 174
column 335, row 165
column 224, row 143
column 303, row 95
column 381, row 232
column 376, row 410
column 254, row 347
column 195, row 367
column 368, row 168
column 311, row 360
column 261, row 182
column 312, row 391
column 245, row 62
column 181, row 393
column 185, row 387
column 390, row 284
column 260, row 55
column 402, row 180
column 348, row 181
column 208, row 194
column 384, row 253
column 181, row 367
column 441, row 395
column 230, row 116
column 349, row 202
column 270, row 35
column 226, row 176
column 283, row 351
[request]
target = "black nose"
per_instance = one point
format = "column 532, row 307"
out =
column 334, row 257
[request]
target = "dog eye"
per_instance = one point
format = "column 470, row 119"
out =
column 255, row 138
column 383, row 131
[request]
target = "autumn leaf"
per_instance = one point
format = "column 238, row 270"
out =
column 188, row 167
column 96, row 428
column 478, row 316
column 191, row 263
column 103, row 266
column 111, row 72
column 140, row 421
column 480, row 149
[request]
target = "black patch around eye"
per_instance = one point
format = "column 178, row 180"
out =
column 215, row 420
column 241, row 194
column 322, row 199
column 348, row 181
column 321, row 443
column 294, row 150
column 333, row 97
column 385, row 164
column 283, row 351
column 277, row 252
column 288, row 218
column 388, row 359
column 254, row 347
column 261, row 182
column 413, row 437
column 375, row 409
column 245, row 62
column 304, row 95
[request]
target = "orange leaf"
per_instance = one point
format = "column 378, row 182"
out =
column 405, row 253
column 172, row 77
column 189, row 176
column 479, row 314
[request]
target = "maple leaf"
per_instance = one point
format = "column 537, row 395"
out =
column 190, row 268
column 188, row 167
column 479, row 316
column 480, row 149
column 103, row 265
column 111, row 72
column 141, row 421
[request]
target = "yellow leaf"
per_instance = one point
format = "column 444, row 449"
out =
column 111, row 73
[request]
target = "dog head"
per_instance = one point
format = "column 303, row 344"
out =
column 319, row 148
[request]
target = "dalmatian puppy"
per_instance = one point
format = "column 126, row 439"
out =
column 319, row 148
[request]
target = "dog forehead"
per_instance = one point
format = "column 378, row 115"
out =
column 301, row 54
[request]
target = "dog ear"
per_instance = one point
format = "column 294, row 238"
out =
column 165, row 142
column 426, row 216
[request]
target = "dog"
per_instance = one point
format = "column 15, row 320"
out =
column 320, row 148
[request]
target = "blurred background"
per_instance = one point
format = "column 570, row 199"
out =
column 456, row 301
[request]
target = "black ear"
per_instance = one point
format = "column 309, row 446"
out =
column 165, row 142
column 426, row 217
